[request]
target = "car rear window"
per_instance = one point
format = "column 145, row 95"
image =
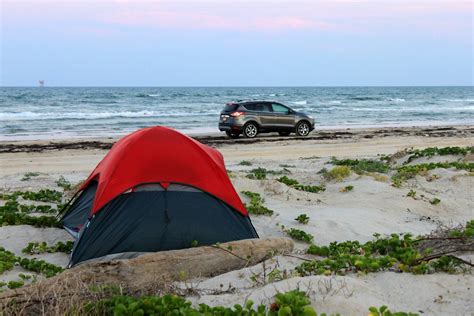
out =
column 229, row 107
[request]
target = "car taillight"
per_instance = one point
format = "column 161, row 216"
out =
column 236, row 114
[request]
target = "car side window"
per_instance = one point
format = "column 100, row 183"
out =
column 280, row 109
column 266, row 107
column 250, row 107
column 258, row 107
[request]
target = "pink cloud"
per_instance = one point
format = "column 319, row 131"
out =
column 200, row 20
column 345, row 16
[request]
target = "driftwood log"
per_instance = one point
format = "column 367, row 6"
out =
column 145, row 274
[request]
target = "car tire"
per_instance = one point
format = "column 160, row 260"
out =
column 232, row 134
column 250, row 130
column 302, row 128
column 284, row 133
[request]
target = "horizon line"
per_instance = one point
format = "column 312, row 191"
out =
column 253, row 86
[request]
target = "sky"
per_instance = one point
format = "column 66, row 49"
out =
column 236, row 43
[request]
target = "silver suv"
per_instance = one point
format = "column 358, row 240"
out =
column 252, row 117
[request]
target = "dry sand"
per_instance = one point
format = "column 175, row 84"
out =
column 373, row 206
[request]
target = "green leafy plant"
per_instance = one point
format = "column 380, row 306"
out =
column 310, row 188
column 12, row 205
column 412, row 194
column 261, row 173
column 384, row 311
column 395, row 252
column 245, row 163
column 8, row 260
column 42, row 247
column 300, row 235
column 435, row 151
column 347, row 188
column 363, row 166
column 290, row 303
column 40, row 266
column 63, row 183
column 337, row 173
column 258, row 174
column 14, row 213
column 27, row 176
column 276, row 275
column 36, row 208
column 43, row 195
column 300, row 187
column 288, row 181
column 466, row 232
column 13, row 218
column 15, row 284
column 410, row 171
column 302, row 218
column 397, row 182
column 256, row 204
column 25, row 276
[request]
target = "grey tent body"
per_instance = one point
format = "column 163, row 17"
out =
column 149, row 218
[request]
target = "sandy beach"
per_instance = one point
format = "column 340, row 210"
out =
column 373, row 205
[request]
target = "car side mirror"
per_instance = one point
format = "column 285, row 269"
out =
column 290, row 111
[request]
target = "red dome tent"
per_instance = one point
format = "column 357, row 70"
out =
column 156, row 189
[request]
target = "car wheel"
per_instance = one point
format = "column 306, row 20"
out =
column 232, row 134
column 284, row 133
column 250, row 130
column 302, row 128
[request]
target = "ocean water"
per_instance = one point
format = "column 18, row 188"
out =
column 47, row 112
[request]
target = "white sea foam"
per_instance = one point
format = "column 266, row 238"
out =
column 300, row 102
column 460, row 100
column 26, row 116
column 430, row 109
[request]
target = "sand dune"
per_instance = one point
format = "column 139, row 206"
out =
column 373, row 206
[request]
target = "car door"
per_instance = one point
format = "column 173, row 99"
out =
column 265, row 114
column 283, row 116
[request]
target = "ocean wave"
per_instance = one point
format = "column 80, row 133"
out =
column 144, row 95
column 300, row 102
column 396, row 99
column 460, row 100
column 26, row 116
column 417, row 109
column 365, row 98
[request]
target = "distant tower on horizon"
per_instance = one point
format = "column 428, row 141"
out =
column 41, row 83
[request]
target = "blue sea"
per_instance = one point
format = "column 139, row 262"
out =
column 54, row 113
